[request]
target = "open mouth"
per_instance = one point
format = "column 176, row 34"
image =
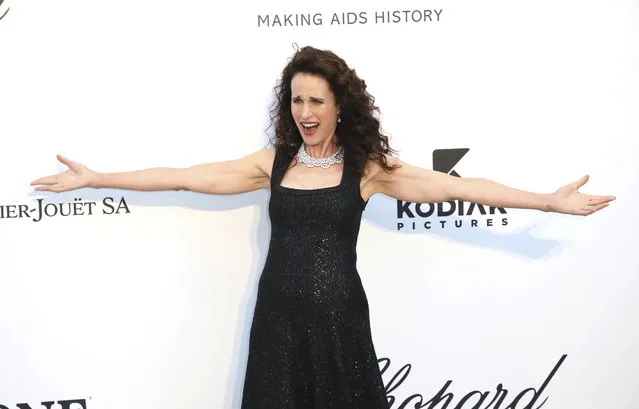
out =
column 310, row 127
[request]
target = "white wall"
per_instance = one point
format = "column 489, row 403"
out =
column 151, row 307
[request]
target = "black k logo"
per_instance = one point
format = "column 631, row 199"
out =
column 5, row 13
column 444, row 160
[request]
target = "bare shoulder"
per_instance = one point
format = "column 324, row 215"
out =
column 375, row 172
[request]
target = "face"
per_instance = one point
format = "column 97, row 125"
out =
column 313, row 108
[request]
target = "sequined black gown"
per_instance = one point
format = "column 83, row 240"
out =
column 310, row 342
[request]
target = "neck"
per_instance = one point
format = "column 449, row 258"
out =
column 322, row 150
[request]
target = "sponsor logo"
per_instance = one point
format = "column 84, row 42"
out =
column 453, row 214
column 349, row 18
column 501, row 398
column 42, row 210
column 61, row 404
column 3, row 12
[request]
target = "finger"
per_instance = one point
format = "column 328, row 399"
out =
column 44, row 188
column 47, row 180
column 596, row 200
column 598, row 197
column 593, row 209
column 582, row 181
column 65, row 161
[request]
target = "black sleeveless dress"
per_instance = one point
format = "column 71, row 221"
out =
column 310, row 342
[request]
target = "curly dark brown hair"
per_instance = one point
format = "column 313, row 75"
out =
column 359, row 130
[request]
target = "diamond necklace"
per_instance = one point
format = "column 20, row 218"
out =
column 310, row 161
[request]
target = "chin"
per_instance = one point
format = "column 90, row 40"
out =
column 313, row 140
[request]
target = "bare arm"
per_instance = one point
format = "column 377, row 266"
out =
column 248, row 173
column 142, row 180
column 417, row 185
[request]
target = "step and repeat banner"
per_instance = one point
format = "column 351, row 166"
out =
column 120, row 299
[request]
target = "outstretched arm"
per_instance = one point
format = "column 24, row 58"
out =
column 418, row 185
column 241, row 175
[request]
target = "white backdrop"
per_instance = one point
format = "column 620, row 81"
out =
column 149, row 304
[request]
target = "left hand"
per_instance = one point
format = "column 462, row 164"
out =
column 567, row 199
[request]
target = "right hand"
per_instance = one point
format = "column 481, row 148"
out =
column 76, row 177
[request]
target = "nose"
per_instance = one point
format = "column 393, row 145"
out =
column 306, row 111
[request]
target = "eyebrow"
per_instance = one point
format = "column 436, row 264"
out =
column 317, row 98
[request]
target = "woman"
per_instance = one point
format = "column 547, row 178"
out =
column 310, row 342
